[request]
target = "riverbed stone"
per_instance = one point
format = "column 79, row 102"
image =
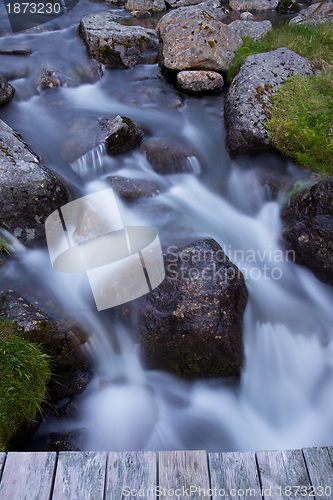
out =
column 191, row 324
column 116, row 45
column 254, row 29
column 289, row 6
column 200, row 81
column 246, row 16
column 133, row 189
column 145, row 5
column 16, row 51
column 307, row 228
column 121, row 134
column 318, row 13
column 192, row 38
column 249, row 100
column 140, row 14
column 167, row 156
column 7, row 91
column 29, row 192
column 253, row 5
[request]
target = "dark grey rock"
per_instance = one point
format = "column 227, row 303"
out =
column 16, row 51
column 167, row 156
column 61, row 446
column 289, row 6
column 318, row 13
column 115, row 45
column 307, row 228
column 200, row 81
column 253, row 5
column 7, row 91
column 29, row 192
column 192, row 323
column 254, row 29
column 121, row 134
column 249, row 100
column 194, row 38
column 132, row 189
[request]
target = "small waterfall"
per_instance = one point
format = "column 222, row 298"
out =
column 90, row 163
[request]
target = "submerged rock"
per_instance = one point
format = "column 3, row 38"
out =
column 308, row 227
column 249, row 100
column 145, row 5
column 200, row 81
column 143, row 14
column 318, row 13
column 7, row 91
column 29, row 192
column 132, row 189
column 193, row 38
column 253, row 5
column 192, row 323
column 115, row 45
column 16, row 51
column 167, row 156
column 254, row 29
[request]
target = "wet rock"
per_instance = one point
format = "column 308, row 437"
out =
column 193, row 38
column 61, row 446
column 318, row 13
column 69, row 410
column 48, row 83
column 115, row 45
column 7, row 91
column 29, row 192
column 192, row 323
column 249, row 100
column 253, row 5
column 246, row 16
column 145, row 5
column 140, row 14
column 121, row 134
column 175, row 4
column 76, row 437
column 200, row 81
column 132, row 189
column 289, row 6
column 254, row 29
column 70, row 369
column 167, row 156
column 307, row 228
column 16, row 51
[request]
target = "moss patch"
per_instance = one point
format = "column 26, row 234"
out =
column 24, row 373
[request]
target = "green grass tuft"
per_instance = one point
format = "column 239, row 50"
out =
column 301, row 125
column 24, row 373
column 313, row 42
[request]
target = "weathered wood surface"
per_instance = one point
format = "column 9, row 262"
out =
column 80, row 475
column 281, row 470
column 234, row 475
column 27, row 476
column 181, row 470
column 133, row 471
column 2, row 461
column 319, row 464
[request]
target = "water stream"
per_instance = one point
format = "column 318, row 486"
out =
column 284, row 398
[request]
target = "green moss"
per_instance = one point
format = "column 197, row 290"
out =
column 313, row 42
column 301, row 124
column 24, row 373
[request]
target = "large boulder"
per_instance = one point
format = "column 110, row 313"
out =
column 254, row 29
column 249, row 100
column 308, row 227
column 116, row 45
column 145, row 5
column 253, row 5
column 192, row 323
column 7, row 91
column 29, row 192
column 200, row 81
column 193, row 38
column 317, row 13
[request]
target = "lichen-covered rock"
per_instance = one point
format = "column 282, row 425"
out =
column 253, row 5
column 246, row 16
column 71, row 370
column 175, row 4
column 200, row 81
column 145, row 5
column 115, row 45
column 193, row 38
column 29, row 192
column 132, row 189
column 318, row 13
column 167, row 157
column 249, row 100
column 192, row 323
column 254, row 29
column 307, row 228
column 7, row 91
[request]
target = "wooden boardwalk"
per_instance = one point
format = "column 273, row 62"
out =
column 267, row 475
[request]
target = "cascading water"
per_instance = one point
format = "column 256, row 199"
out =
column 284, row 399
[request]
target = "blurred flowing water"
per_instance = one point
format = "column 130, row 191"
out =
column 284, row 398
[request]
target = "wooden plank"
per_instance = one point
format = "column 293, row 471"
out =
column 2, row 461
column 129, row 472
column 185, row 473
column 281, row 473
column 80, row 475
column 319, row 464
column 27, row 476
column 234, row 475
